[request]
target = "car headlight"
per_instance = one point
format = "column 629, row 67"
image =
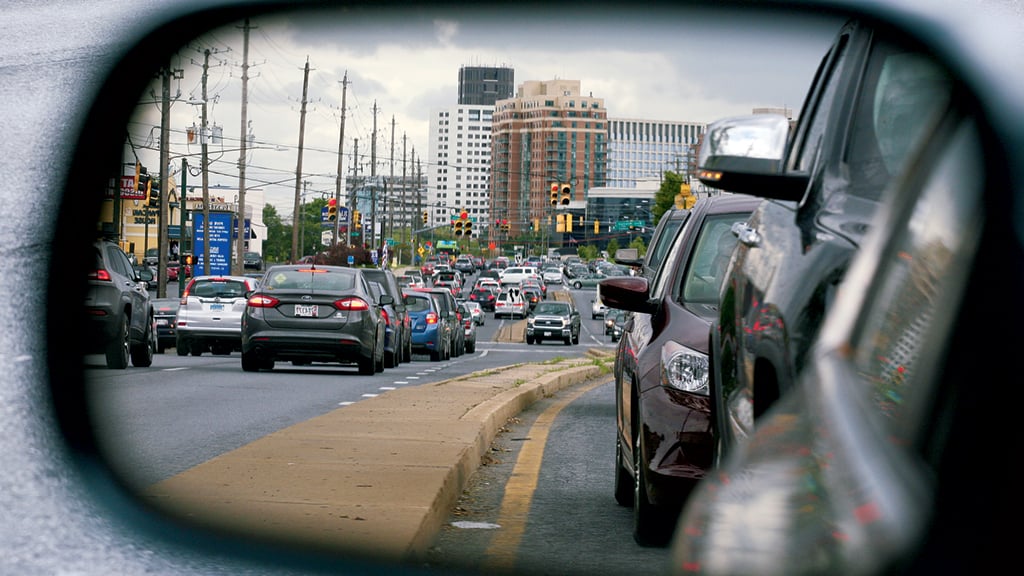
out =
column 529, row 322
column 684, row 368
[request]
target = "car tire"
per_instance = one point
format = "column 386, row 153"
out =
column 529, row 340
column 143, row 352
column 390, row 359
column 250, row 362
column 577, row 285
column 648, row 526
column 567, row 340
column 367, row 365
column 576, row 338
column 623, row 481
column 435, row 355
column 181, row 347
column 471, row 347
column 118, row 348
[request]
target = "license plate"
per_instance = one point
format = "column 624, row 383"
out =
column 161, row 322
column 306, row 311
column 546, row 334
column 216, row 306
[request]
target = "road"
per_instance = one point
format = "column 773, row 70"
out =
column 184, row 410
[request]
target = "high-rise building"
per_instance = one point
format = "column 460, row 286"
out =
column 550, row 133
column 459, row 165
column 639, row 150
column 485, row 85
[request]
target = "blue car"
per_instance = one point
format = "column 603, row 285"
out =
column 428, row 326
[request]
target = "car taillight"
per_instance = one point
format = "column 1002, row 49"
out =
column 431, row 318
column 351, row 304
column 468, row 323
column 260, row 301
column 101, row 275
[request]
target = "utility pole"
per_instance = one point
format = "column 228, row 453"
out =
column 239, row 263
column 373, row 178
column 389, row 205
column 341, row 143
column 355, row 192
column 206, row 173
column 162, row 217
column 296, row 220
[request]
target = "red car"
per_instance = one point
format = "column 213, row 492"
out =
column 484, row 297
column 665, row 441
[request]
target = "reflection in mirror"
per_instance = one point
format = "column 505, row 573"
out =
column 361, row 139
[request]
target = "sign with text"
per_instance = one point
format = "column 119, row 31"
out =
column 220, row 242
column 129, row 191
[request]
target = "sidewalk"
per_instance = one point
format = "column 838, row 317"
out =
column 380, row 476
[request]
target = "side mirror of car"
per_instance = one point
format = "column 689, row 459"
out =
column 386, row 300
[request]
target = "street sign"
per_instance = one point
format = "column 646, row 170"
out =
column 351, row 259
column 220, row 242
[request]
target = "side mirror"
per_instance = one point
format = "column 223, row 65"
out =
column 745, row 154
column 386, row 300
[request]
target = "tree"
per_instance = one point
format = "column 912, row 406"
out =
column 638, row 243
column 665, row 199
column 278, row 245
column 613, row 245
column 588, row 252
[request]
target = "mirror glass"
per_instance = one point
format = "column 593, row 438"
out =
column 275, row 116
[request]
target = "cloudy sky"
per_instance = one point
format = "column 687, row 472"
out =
column 648, row 66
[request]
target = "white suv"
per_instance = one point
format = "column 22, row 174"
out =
column 210, row 315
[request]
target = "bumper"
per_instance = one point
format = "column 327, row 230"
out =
column 677, row 443
column 313, row 346
column 545, row 333
column 428, row 340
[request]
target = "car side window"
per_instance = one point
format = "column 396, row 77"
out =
column 903, row 92
column 919, row 290
column 818, row 108
column 710, row 259
column 120, row 262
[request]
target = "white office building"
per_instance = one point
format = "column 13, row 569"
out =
column 459, row 164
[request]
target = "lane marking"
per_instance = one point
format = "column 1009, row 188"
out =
column 515, row 504
column 386, row 388
column 369, row 395
column 345, row 403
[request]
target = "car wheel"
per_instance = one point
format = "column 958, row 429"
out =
column 117, row 349
column 142, row 353
column 648, row 526
column 378, row 362
column 576, row 338
column 196, row 348
column 435, row 355
column 567, row 340
column 529, row 340
column 250, row 362
column 623, row 481
column 390, row 359
column 471, row 347
column 367, row 365
column 577, row 285
column 181, row 346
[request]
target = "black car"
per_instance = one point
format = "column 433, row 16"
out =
column 252, row 261
column 485, row 297
column 311, row 314
column 119, row 310
column 401, row 324
column 664, row 422
column 556, row 320
column 165, row 312
column 872, row 103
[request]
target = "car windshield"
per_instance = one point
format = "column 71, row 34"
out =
column 309, row 279
column 556, row 308
column 417, row 303
column 219, row 289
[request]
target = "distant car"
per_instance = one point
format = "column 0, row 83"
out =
column 120, row 311
column 165, row 312
column 477, row 311
column 611, row 318
column 516, row 274
column 392, row 328
column 210, row 315
column 429, row 330
column 485, row 297
column 402, row 351
column 306, row 314
column 151, row 257
column 533, row 295
column 449, row 315
column 252, row 261
column 597, row 306
column 510, row 303
column 465, row 265
column 553, row 321
column 552, row 275
column 147, row 274
column 468, row 328
column 661, row 375
column 588, row 280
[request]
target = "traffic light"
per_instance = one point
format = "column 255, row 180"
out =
column 357, row 219
column 566, row 194
column 332, row 210
column 467, row 227
column 560, row 223
column 554, row 194
column 425, row 216
column 568, row 222
column 153, row 193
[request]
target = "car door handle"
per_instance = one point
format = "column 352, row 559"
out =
column 745, row 234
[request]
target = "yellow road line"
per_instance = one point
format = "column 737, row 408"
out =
column 515, row 504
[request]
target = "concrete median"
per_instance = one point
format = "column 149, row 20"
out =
column 378, row 477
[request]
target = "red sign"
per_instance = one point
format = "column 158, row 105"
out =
column 129, row 191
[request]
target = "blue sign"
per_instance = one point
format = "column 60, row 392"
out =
column 234, row 228
column 351, row 259
column 220, row 242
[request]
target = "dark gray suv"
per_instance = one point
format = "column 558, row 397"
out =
column 121, row 324
column 401, row 325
